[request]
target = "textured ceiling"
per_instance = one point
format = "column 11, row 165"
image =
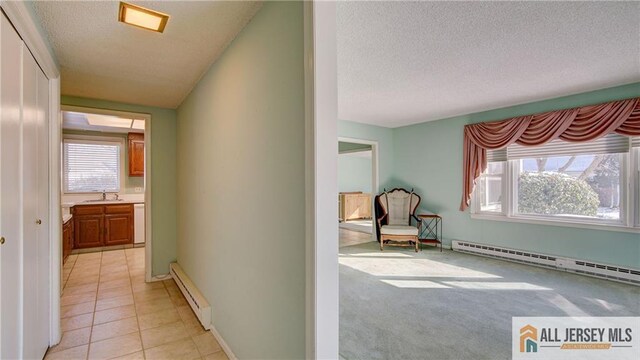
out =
column 104, row 59
column 407, row 62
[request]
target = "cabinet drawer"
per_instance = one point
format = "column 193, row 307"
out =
column 88, row 210
column 118, row 209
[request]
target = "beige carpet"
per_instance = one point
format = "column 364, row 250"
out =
column 399, row 304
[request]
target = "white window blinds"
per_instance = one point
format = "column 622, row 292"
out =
column 635, row 141
column 91, row 166
column 497, row 155
column 609, row 144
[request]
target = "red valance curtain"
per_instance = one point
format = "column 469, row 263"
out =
column 574, row 125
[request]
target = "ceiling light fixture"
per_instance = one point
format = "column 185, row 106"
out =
column 137, row 124
column 109, row 121
column 141, row 17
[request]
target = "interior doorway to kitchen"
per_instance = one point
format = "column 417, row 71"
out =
column 106, row 188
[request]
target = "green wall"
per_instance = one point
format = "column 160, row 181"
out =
column 241, row 187
column 437, row 175
column 384, row 137
column 354, row 173
column 163, row 178
column 130, row 182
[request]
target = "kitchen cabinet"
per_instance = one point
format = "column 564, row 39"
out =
column 102, row 225
column 354, row 205
column 67, row 239
column 136, row 154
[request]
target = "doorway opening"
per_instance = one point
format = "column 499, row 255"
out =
column 106, row 187
column 357, row 188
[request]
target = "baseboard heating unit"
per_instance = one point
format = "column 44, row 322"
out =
column 195, row 299
column 589, row 268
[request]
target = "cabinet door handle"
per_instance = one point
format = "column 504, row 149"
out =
column 39, row 222
column 1, row 240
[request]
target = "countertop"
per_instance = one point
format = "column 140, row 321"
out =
column 106, row 202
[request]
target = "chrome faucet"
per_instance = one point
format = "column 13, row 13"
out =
column 116, row 196
column 104, row 195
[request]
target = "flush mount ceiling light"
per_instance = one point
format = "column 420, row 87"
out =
column 141, row 17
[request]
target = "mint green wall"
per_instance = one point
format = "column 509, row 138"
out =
column 384, row 137
column 437, row 176
column 354, row 173
column 241, row 187
column 163, row 178
column 130, row 182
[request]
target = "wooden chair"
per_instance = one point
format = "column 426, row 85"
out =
column 397, row 207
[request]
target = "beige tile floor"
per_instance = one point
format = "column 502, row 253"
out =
column 109, row 312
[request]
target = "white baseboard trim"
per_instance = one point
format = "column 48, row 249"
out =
column 160, row 278
column 223, row 343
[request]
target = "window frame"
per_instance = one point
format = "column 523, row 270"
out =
column 476, row 202
column 629, row 200
column 111, row 140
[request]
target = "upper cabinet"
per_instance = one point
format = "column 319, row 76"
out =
column 136, row 154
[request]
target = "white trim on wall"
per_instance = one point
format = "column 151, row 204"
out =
column 55, row 212
column 321, row 111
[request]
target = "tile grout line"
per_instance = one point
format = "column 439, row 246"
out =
column 93, row 318
column 135, row 309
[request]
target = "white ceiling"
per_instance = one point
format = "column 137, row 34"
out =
column 407, row 62
column 104, row 59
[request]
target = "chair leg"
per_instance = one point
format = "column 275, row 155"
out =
column 382, row 243
column 417, row 243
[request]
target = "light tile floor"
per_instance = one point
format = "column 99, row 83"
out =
column 109, row 312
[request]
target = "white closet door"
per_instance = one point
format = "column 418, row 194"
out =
column 10, row 191
column 29, row 202
column 34, row 261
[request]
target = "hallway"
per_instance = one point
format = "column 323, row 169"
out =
column 108, row 312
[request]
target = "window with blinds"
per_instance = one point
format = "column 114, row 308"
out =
column 91, row 166
column 585, row 182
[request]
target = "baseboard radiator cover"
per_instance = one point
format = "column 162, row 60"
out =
column 194, row 297
column 584, row 267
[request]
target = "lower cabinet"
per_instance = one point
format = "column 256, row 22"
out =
column 67, row 240
column 102, row 225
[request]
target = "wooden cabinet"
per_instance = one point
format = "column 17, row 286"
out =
column 136, row 154
column 354, row 205
column 67, row 239
column 102, row 225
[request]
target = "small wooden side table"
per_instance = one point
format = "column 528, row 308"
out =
column 431, row 230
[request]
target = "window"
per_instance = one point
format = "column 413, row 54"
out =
column 597, row 182
column 91, row 166
column 489, row 188
column 580, row 186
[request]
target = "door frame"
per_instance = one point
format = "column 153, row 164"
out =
column 148, row 243
column 375, row 175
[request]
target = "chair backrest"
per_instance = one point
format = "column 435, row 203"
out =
column 399, row 205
